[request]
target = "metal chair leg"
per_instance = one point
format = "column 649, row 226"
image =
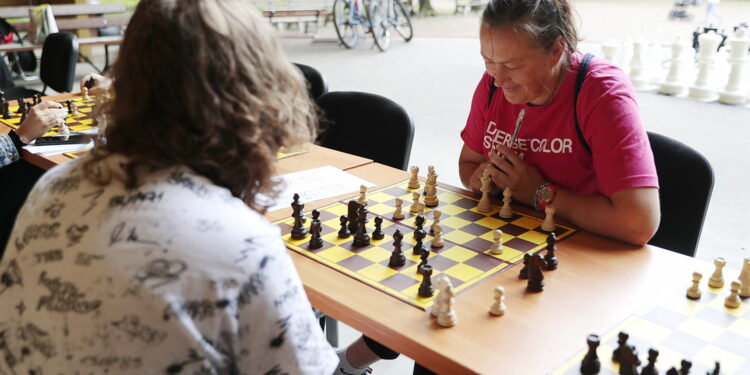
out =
column 332, row 331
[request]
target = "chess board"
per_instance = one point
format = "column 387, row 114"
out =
column 702, row 332
column 76, row 123
column 465, row 258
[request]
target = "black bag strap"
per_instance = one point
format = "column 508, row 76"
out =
column 492, row 93
column 579, row 82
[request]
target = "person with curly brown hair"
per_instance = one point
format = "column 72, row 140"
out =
column 151, row 254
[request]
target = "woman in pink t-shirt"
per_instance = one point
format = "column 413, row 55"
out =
column 603, row 178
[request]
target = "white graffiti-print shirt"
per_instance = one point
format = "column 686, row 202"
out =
column 173, row 277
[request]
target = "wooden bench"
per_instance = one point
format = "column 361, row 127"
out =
column 300, row 12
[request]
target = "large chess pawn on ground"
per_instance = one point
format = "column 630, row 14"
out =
column 703, row 88
column 610, row 49
column 735, row 90
column 675, row 82
column 638, row 72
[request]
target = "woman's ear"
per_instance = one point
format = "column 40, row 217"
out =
column 558, row 47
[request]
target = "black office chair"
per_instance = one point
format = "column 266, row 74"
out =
column 316, row 83
column 686, row 181
column 57, row 69
column 366, row 125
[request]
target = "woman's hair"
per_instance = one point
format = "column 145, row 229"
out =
column 544, row 20
column 205, row 84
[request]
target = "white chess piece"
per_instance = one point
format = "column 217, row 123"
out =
column 610, row 49
column 86, row 93
column 498, row 307
column 717, row 279
column 431, row 199
column 694, row 292
column 733, row 300
column 734, row 92
column 63, row 129
column 506, row 211
column 638, row 72
column 436, row 214
column 441, row 282
column 548, row 225
column 703, row 88
column 414, row 179
column 675, row 82
column 447, row 314
column 398, row 215
column 362, row 195
column 497, row 246
column 484, row 203
column 437, row 237
column 416, row 207
column 745, row 279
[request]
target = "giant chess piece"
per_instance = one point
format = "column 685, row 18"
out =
column 735, row 92
column 675, row 83
column 591, row 364
column 639, row 75
column 704, row 87
column 610, row 49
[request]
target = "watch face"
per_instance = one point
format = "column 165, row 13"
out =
column 545, row 194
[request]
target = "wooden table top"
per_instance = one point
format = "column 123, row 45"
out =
column 599, row 282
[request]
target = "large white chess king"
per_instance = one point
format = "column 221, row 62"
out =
column 735, row 92
column 708, row 45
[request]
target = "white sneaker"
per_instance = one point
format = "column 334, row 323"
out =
column 344, row 368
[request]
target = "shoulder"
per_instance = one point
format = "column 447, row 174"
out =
column 604, row 77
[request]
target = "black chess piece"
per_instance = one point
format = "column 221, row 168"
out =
column 419, row 236
column 550, row 257
column 298, row 228
column 69, row 105
column 591, row 364
column 622, row 340
column 316, row 242
column 344, row 231
column 423, row 260
column 717, row 369
column 6, row 110
column 419, row 222
column 425, row 287
column 397, row 256
column 524, row 273
column 361, row 238
column 21, row 106
column 536, row 276
column 672, row 371
column 650, row 368
column 297, row 208
column 24, row 111
column 351, row 213
column 629, row 361
column 685, row 366
column 378, row 234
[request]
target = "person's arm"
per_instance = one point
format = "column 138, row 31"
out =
column 10, row 147
column 630, row 215
column 41, row 118
column 471, row 164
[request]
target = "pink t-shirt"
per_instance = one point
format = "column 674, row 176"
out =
column 609, row 119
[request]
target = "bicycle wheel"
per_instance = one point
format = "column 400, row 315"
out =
column 401, row 21
column 346, row 27
column 381, row 33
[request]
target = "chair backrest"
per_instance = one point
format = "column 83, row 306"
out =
column 316, row 83
column 59, row 56
column 686, row 181
column 367, row 125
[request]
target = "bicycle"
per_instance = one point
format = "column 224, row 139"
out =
column 377, row 16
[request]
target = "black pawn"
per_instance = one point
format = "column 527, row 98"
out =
column 524, row 274
column 685, row 366
column 425, row 287
column 361, row 238
column 419, row 236
column 315, row 241
column 397, row 256
column 591, row 364
column 629, row 361
column 344, row 231
column 550, row 257
column 378, row 234
column 622, row 341
column 6, row 110
column 536, row 275
column 650, row 368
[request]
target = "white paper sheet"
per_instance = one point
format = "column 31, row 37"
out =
column 314, row 184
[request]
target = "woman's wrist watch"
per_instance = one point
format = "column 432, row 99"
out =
column 544, row 195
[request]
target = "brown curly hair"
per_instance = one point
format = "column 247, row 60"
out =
column 205, row 84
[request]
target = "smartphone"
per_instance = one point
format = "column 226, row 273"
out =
column 62, row 140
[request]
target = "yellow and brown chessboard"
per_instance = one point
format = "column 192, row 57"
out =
column 702, row 332
column 76, row 123
column 465, row 258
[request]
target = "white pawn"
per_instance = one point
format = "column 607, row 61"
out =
column 362, row 195
column 416, row 207
column 506, row 211
column 447, row 314
column 398, row 215
column 63, row 130
column 638, row 73
column 441, row 282
column 414, row 179
column 675, row 82
column 694, row 292
column 484, row 203
column 498, row 308
column 734, row 92
column 703, row 88
column 436, row 214
column 497, row 246
column 745, row 279
column 717, row 279
column 548, row 225
column 733, row 300
column 610, row 49
column 437, row 237
column 86, row 93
